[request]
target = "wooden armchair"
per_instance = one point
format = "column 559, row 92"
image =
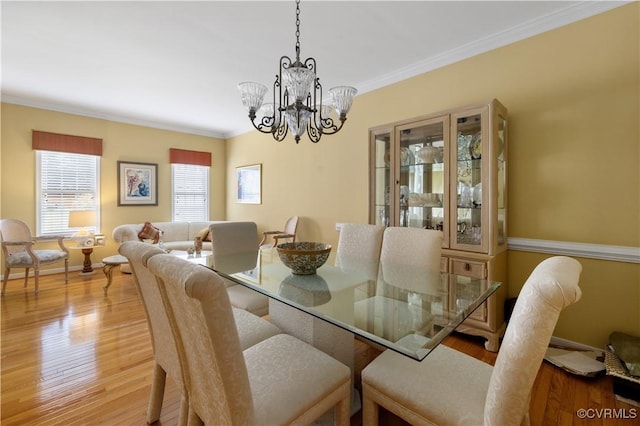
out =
column 17, row 246
column 289, row 232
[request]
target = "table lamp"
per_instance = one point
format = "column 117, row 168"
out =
column 82, row 219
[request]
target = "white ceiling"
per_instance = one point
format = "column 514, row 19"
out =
column 175, row 65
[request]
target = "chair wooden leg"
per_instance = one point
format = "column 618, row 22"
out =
column 5, row 279
column 185, row 413
column 342, row 411
column 26, row 276
column 36, row 274
column 194, row 420
column 66, row 271
column 369, row 412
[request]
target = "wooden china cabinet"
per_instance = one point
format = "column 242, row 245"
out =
column 448, row 171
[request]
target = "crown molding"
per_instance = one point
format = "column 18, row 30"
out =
column 101, row 115
column 572, row 13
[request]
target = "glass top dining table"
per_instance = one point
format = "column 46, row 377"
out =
column 408, row 311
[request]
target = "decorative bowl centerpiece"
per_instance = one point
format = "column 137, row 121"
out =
column 303, row 258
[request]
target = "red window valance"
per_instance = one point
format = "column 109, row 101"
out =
column 183, row 156
column 46, row 141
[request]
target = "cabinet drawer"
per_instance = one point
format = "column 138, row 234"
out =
column 468, row 268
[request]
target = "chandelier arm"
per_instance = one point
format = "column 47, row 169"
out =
column 261, row 127
column 313, row 132
column 280, row 132
column 310, row 63
column 330, row 128
column 317, row 114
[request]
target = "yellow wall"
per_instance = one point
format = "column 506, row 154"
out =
column 573, row 100
column 121, row 142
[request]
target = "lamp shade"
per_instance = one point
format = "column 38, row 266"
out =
column 252, row 94
column 82, row 219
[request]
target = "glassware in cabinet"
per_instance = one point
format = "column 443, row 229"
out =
column 381, row 180
column 422, row 178
column 467, row 204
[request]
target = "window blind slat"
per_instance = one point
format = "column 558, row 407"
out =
column 66, row 182
column 190, row 192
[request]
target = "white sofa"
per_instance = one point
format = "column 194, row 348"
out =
column 175, row 235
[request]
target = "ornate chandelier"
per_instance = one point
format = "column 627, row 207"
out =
column 299, row 106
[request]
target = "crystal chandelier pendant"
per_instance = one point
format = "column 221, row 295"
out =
column 342, row 98
column 252, row 94
column 297, row 120
column 297, row 81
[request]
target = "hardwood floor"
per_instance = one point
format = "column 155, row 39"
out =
column 73, row 356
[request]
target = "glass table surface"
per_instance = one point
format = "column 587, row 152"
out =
column 408, row 311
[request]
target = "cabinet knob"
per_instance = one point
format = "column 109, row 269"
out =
column 467, row 267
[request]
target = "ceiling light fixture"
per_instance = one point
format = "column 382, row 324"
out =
column 300, row 105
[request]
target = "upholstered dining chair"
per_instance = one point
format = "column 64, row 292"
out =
column 19, row 252
column 251, row 329
column 359, row 247
column 278, row 381
column 289, row 233
column 235, row 248
column 449, row 387
column 409, row 262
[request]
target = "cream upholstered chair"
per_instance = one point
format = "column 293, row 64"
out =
column 17, row 247
column 359, row 247
column 409, row 263
column 289, row 233
column 251, row 329
column 278, row 381
column 449, row 387
column 235, row 249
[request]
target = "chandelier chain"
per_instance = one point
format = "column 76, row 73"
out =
column 298, row 30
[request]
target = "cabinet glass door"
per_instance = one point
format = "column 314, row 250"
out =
column 468, row 180
column 423, row 146
column 502, row 180
column 382, row 179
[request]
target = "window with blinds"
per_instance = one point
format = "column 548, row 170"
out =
column 65, row 182
column 190, row 186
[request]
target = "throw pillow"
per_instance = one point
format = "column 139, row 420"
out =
column 204, row 234
column 627, row 347
column 149, row 232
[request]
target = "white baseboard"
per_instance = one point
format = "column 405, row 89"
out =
column 574, row 345
column 20, row 272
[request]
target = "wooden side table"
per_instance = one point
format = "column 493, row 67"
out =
column 86, row 266
column 109, row 263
